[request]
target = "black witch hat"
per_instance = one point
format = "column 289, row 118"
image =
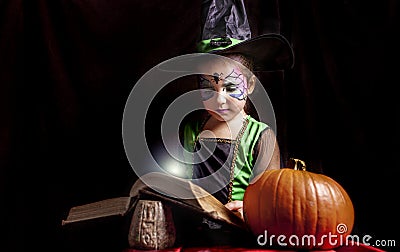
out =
column 225, row 30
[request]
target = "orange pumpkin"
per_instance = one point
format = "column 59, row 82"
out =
column 296, row 208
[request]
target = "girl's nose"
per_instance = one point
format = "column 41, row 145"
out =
column 221, row 99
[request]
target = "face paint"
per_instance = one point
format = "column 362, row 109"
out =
column 234, row 85
column 217, row 77
column 207, row 89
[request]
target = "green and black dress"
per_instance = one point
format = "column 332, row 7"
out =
column 225, row 167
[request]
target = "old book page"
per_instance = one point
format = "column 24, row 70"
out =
column 177, row 191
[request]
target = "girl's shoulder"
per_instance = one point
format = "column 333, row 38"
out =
column 191, row 125
column 256, row 123
column 255, row 130
column 194, row 120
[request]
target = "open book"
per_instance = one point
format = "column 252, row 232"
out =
column 176, row 191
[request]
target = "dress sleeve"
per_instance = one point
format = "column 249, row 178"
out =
column 266, row 154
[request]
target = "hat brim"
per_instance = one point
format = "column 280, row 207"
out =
column 270, row 52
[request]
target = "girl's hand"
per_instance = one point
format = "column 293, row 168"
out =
column 236, row 206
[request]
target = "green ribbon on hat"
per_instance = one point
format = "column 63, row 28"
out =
column 215, row 44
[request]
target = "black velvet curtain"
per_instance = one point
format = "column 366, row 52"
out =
column 67, row 68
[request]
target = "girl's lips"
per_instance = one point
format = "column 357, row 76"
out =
column 222, row 111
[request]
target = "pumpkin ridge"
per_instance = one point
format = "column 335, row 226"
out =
column 341, row 190
column 276, row 195
column 347, row 203
column 334, row 196
column 316, row 201
column 259, row 199
column 293, row 201
column 304, row 208
column 254, row 186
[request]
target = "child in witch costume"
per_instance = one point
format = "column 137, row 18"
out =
column 230, row 145
column 226, row 139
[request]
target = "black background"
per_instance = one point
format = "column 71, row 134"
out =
column 67, row 68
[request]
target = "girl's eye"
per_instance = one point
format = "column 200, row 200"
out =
column 204, row 82
column 232, row 88
column 206, row 94
column 236, row 91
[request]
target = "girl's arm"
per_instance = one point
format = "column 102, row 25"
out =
column 266, row 157
column 266, row 153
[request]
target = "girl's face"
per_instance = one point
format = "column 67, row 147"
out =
column 224, row 93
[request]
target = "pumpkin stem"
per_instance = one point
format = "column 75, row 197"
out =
column 300, row 163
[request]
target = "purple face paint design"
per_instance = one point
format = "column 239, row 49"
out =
column 234, row 85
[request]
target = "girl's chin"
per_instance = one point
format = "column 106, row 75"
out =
column 220, row 117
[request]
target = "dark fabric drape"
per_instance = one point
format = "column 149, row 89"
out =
column 342, row 114
column 11, row 79
column 67, row 68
